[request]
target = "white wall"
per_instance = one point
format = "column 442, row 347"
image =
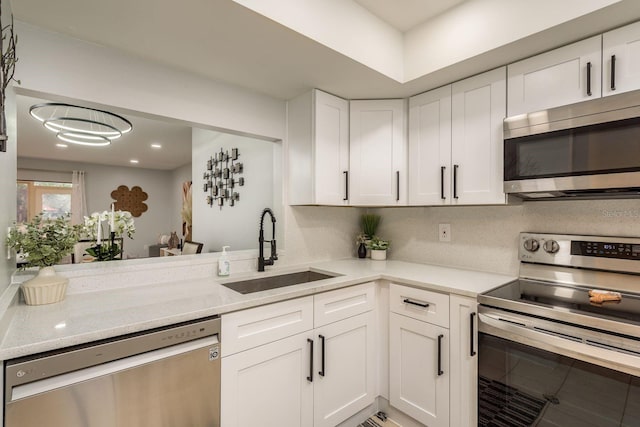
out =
column 8, row 180
column 343, row 26
column 480, row 26
column 101, row 180
column 486, row 237
column 235, row 226
column 54, row 64
column 8, row 177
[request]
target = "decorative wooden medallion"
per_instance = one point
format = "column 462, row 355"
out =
column 130, row 200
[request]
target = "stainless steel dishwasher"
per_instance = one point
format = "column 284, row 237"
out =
column 162, row 377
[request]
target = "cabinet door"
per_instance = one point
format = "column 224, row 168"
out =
column 268, row 386
column 317, row 149
column 478, row 111
column 331, row 144
column 621, row 60
column 430, row 147
column 555, row 78
column 417, row 386
column 464, row 361
column 345, row 368
column 377, row 153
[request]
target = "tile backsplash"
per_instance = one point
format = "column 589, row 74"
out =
column 485, row 237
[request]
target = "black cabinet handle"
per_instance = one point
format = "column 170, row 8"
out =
column 346, row 185
column 472, row 334
column 397, row 186
column 440, row 371
column 442, row 168
column 613, row 72
column 310, row 377
column 419, row 304
column 588, row 78
column 321, row 372
column 455, row 181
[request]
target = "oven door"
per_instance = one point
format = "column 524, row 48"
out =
column 531, row 375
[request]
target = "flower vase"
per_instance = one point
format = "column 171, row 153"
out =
column 362, row 251
column 378, row 255
column 46, row 288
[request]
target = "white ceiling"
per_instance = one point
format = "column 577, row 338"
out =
column 37, row 142
column 406, row 14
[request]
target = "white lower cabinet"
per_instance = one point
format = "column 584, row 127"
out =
column 316, row 378
column 345, row 368
column 419, row 370
column 464, row 361
column 267, row 386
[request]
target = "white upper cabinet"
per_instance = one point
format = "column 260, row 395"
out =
column 559, row 77
column 318, row 139
column 430, row 147
column 455, row 142
column 478, row 110
column 378, row 163
column 621, row 60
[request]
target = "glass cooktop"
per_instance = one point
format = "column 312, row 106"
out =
column 565, row 298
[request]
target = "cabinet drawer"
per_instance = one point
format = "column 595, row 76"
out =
column 428, row 306
column 261, row 325
column 340, row 304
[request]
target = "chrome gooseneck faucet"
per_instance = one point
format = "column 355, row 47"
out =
column 274, row 256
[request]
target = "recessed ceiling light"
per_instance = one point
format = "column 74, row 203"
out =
column 156, row 146
column 62, row 145
column 134, row 161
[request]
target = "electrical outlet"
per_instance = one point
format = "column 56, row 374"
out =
column 444, row 232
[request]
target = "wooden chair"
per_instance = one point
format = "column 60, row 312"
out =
column 190, row 248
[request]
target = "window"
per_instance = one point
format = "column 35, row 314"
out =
column 52, row 199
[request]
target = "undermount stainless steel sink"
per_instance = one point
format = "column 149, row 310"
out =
column 273, row 282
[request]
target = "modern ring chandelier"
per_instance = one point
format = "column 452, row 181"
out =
column 81, row 125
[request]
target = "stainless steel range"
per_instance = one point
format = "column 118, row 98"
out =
column 560, row 346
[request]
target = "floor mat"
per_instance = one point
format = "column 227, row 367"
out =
column 375, row 421
column 500, row 405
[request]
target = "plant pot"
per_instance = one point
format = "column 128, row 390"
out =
column 378, row 255
column 46, row 288
column 362, row 251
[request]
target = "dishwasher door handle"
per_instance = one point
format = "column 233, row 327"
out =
column 63, row 380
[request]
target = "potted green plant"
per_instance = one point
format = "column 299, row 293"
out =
column 378, row 248
column 369, row 223
column 44, row 242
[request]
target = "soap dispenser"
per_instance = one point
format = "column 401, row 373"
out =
column 224, row 266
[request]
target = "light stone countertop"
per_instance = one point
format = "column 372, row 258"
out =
column 91, row 316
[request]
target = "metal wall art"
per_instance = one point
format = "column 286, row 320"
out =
column 220, row 178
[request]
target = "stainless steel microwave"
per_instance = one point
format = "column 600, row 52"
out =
column 585, row 150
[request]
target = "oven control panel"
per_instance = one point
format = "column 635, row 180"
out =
column 605, row 249
column 600, row 252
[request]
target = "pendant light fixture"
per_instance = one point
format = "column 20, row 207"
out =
column 80, row 125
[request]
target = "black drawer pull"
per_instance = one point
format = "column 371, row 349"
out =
column 442, row 168
column 346, row 185
column 472, row 334
column 455, row 181
column 310, row 377
column 397, row 186
column 588, row 78
column 419, row 304
column 613, row 72
column 440, row 371
column 321, row 372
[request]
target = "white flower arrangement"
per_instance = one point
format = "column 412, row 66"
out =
column 123, row 223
